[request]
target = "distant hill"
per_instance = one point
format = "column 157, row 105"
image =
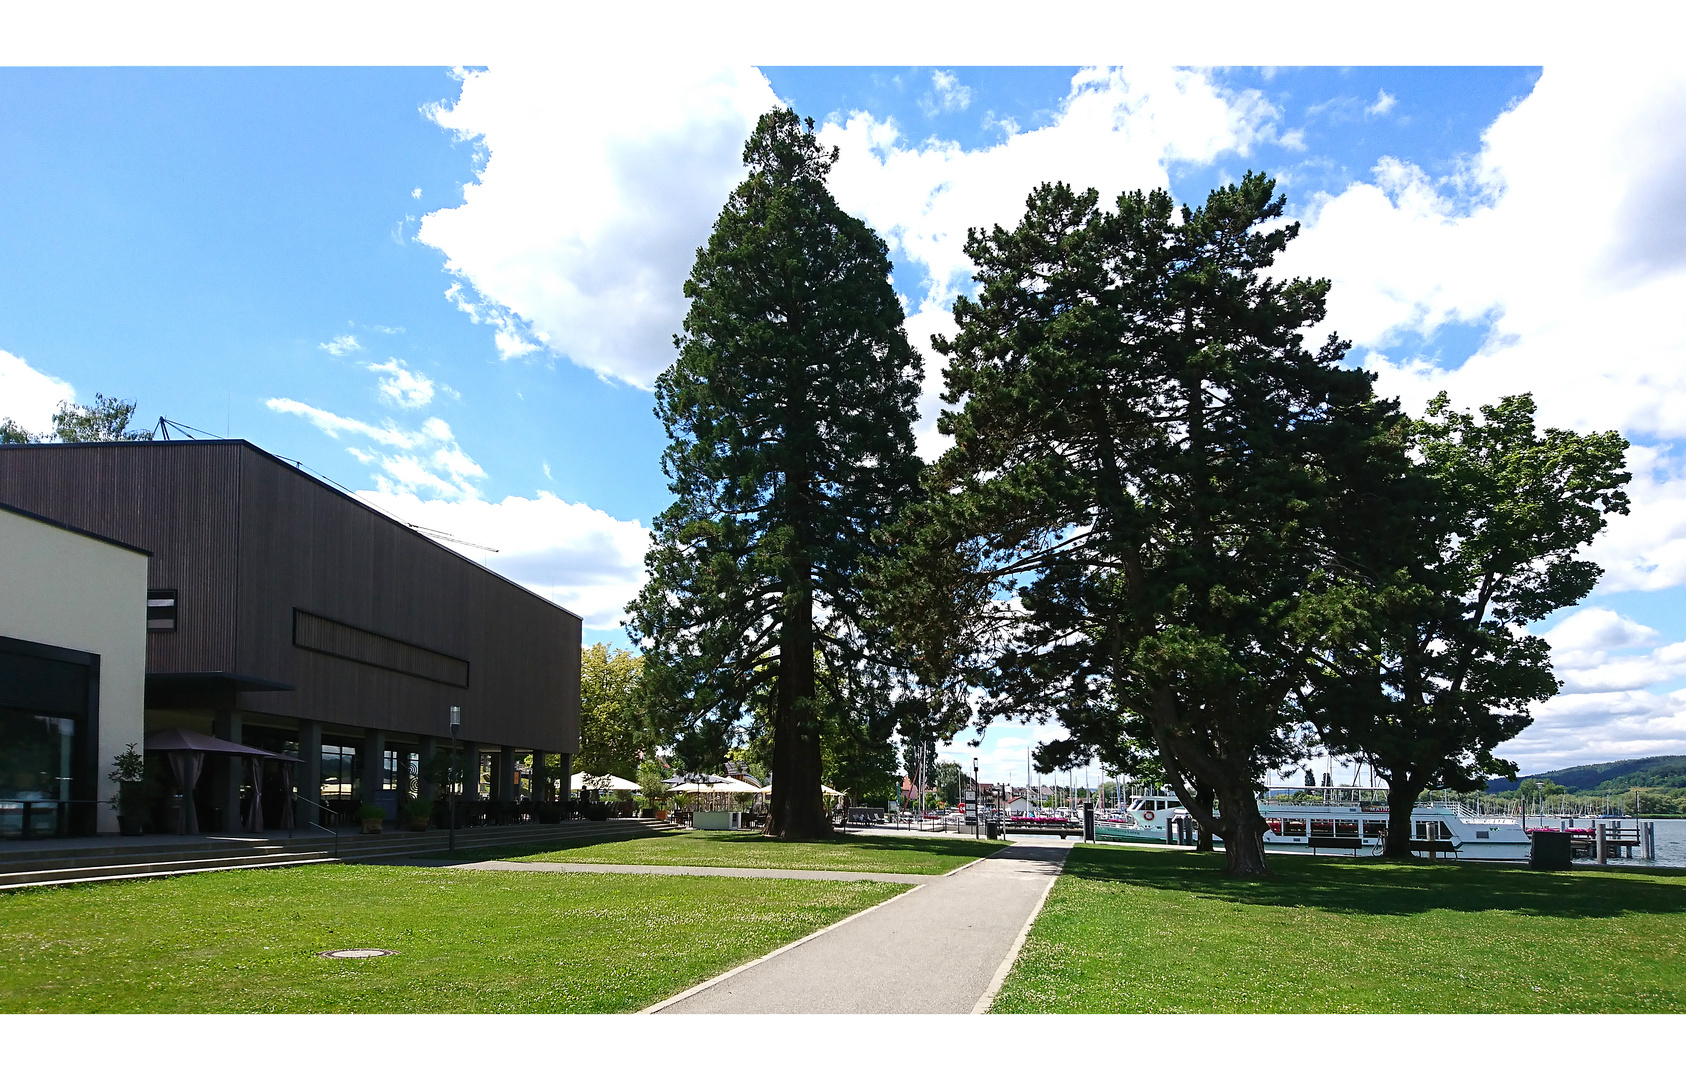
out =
column 1649, row 772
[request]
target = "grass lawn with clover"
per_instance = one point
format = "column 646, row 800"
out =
column 1142, row 931
column 246, row 941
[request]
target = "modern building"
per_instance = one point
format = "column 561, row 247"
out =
column 72, row 671
column 284, row 614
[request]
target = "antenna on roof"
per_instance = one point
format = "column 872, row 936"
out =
column 441, row 534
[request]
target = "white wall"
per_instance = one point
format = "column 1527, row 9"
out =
column 62, row 588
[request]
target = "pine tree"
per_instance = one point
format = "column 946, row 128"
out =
column 790, row 413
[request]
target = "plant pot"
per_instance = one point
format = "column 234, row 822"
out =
column 418, row 824
column 372, row 826
column 661, row 815
column 129, row 824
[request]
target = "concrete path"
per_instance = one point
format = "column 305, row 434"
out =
column 678, row 871
column 942, row 947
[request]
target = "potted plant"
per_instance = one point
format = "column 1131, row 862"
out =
column 373, row 817
column 415, row 814
column 128, row 772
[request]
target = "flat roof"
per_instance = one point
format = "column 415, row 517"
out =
column 21, row 512
column 295, row 467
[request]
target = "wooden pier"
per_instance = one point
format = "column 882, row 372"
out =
column 1608, row 840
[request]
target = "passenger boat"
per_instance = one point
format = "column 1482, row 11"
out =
column 1352, row 820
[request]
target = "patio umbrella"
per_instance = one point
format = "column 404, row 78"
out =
column 185, row 750
column 609, row 782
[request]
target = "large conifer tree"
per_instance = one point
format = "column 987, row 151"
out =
column 790, row 417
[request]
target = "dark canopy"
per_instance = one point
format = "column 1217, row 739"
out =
column 183, row 739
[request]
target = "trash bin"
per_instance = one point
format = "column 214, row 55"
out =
column 1550, row 851
column 992, row 829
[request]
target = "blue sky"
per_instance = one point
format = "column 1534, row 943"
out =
column 451, row 290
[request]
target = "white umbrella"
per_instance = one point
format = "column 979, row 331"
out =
column 606, row 782
column 825, row 789
column 730, row 785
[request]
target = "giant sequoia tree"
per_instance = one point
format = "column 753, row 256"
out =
column 790, row 417
column 1134, row 505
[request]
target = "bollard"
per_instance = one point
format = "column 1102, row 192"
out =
column 1603, row 848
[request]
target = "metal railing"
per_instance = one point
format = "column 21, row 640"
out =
column 26, row 811
column 334, row 832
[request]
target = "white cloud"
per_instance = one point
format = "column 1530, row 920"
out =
column 415, row 194
column 1563, row 232
column 578, row 234
column 1383, row 104
column 341, row 346
column 416, row 459
column 29, row 397
column 1563, row 241
column 1114, row 131
column 947, row 94
column 401, row 386
column 572, row 554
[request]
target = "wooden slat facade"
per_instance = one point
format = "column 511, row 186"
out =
column 248, row 540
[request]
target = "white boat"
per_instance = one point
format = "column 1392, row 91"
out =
column 1350, row 820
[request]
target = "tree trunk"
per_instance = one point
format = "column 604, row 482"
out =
column 1401, row 800
column 1244, row 851
column 797, row 811
column 1203, row 795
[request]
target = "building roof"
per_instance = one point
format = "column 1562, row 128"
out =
column 21, row 512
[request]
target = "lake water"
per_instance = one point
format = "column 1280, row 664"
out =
column 1671, row 842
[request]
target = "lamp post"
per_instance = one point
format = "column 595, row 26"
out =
column 456, row 723
column 977, row 816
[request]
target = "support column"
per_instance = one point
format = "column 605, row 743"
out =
column 503, row 774
column 566, row 766
column 307, row 775
column 426, row 746
column 226, row 772
column 374, row 758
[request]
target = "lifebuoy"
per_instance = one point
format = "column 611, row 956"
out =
column 1147, row 815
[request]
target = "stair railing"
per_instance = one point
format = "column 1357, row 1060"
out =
column 334, row 832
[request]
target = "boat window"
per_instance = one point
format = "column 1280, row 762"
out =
column 1275, row 825
column 1346, row 827
column 1322, row 827
column 1375, row 828
column 1293, row 827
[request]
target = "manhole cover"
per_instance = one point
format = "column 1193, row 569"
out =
column 356, row 954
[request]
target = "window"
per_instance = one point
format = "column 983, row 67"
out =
column 161, row 611
column 1346, row 827
column 339, row 771
column 1322, row 827
column 1375, row 828
column 1293, row 827
column 389, row 770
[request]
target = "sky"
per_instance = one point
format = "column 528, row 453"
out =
column 451, row 289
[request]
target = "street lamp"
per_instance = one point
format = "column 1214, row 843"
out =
column 456, row 723
column 977, row 816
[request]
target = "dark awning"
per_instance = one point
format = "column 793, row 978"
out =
column 183, row 739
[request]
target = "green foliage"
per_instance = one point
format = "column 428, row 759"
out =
column 1137, row 499
column 106, row 420
column 1651, row 772
column 128, row 767
column 615, row 727
column 14, row 433
column 789, row 413
column 371, row 812
column 1429, row 665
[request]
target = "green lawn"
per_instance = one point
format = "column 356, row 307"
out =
column 911, row 854
column 1158, row 931
column 466, row 940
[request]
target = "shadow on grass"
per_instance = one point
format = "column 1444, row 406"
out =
column 967, row 849
column 1372, row 887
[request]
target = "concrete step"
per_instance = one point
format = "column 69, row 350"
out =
column 119, row 863
column 121, row 873
column 158, row 865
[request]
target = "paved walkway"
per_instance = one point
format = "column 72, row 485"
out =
column 679, row 871
column 938, row 948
